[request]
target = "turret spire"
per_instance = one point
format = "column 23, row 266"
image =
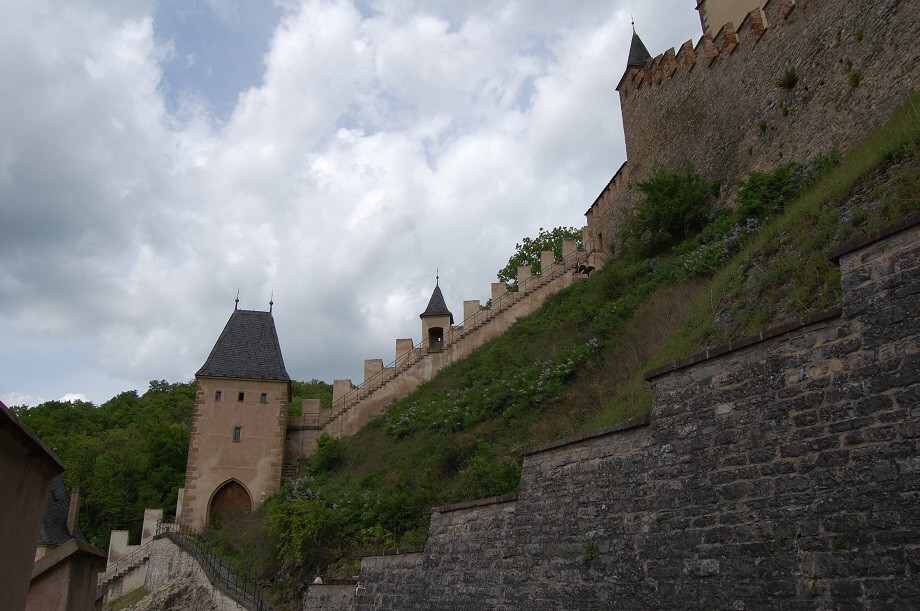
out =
column 638, row 54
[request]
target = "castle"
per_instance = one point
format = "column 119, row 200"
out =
column 722, row 469
column 675, row 108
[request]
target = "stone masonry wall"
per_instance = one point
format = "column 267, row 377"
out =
column 780, row 471
column 177, row 582
column 717, row 105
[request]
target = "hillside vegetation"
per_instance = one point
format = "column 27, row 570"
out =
column 577, row 363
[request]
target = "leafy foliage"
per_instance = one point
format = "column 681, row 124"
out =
column 528, row 252
column 328, row 453
column 314, row 389
column 675, row 205
column 126, row 455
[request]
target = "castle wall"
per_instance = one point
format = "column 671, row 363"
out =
column 255, row 461
column 717, row 105
column 176, row 580
column 778, row 471
column 419, row 366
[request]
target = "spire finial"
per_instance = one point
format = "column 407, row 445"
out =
column 271, row 302
column 236, row 302
column 437, row 276
column 633, row 21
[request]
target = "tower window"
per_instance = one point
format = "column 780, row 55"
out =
column 237, row 434
column 240, row 397
column 217, row 395
column 263, row 398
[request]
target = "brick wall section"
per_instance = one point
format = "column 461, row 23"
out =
column 783, row 472
column 709, row 114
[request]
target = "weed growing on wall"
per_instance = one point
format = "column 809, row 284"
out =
column 788, row 80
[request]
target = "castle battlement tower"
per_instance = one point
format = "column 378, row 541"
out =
column 436, row 321
column 239, row 424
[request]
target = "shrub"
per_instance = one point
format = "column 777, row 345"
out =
column 328, row 453
column 675, row 205
column 763, row 195
column 855, row 78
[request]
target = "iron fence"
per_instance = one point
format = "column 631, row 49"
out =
column 239, row 585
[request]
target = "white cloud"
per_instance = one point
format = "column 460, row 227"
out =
column 384, row 141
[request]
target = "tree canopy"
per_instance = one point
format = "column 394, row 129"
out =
column 527, row 252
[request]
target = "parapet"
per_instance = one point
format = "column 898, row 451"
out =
column 708, row 49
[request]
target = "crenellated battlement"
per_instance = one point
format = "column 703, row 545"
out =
column 708, row 49
column 353, row 405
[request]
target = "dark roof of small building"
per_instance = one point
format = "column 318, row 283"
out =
column 247, row 348
column 54, row 524
column 638, row 54
column 437, row 306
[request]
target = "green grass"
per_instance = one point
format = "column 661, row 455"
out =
column 575, row 365
column 784, row 272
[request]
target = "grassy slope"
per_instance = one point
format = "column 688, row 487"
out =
column 644, row 314
column 460, row 436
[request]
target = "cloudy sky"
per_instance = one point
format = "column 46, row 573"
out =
column 156, row 156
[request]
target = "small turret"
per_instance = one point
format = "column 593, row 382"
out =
column 435, row 318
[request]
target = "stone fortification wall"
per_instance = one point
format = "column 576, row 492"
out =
column 176, row 581
column 353, row 407
column 717, row 105
column 779, row 471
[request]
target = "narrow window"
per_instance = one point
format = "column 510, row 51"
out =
column 217, row 395
column 263, row 398
column 240, row 397
column 237, row 434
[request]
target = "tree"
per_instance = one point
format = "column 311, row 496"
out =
column 528, row 251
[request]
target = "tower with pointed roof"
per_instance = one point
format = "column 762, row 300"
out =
column 436, row 320
column 236, row 450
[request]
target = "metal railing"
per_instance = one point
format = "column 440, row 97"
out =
column 126, row 562
column 477, row 320
column 239, row 585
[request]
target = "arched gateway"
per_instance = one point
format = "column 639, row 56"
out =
column 230, row 498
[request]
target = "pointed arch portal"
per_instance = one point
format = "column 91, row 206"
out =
column 231, row 498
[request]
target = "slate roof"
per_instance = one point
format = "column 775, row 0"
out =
column 437, row 306
column 247, row 348
column 54, row 524
column 638, row 54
